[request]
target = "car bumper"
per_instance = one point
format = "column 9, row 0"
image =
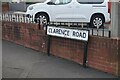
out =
column 107, row 18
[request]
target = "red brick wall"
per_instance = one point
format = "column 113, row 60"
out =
column 26, row 34
column 5, row 7
column 119, row 58
column 102, row 52
column 68, row 49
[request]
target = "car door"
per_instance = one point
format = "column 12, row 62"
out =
column 62, row 10
column 82, row 10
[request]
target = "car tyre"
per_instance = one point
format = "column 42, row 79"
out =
column 42, row 18
column 97, row 21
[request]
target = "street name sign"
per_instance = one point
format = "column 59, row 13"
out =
column 68, row 33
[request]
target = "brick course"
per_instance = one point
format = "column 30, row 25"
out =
column 102, row 52
column 5, row 7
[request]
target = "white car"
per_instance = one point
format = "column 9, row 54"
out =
column 94, row 12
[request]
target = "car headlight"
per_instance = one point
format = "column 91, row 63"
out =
column 31, row 8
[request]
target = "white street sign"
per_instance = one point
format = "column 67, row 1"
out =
column 68, row 33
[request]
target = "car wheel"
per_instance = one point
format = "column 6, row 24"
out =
column 42, row 18
column 97, row 21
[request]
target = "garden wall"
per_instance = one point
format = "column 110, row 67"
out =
column 102, row 52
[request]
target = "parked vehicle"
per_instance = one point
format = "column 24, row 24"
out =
column 94, row 12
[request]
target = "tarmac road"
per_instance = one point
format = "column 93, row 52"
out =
column 21, row 62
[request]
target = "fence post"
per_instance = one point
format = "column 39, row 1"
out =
column 103, row 34
column 85, row 54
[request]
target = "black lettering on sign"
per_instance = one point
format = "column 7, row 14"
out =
column 68, row 33
column 64, row 32
column 73, row 33
column 50, row 30
column 79, row 34
column 59, row 31
column 84, row 35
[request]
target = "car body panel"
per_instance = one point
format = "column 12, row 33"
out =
column 71, row 12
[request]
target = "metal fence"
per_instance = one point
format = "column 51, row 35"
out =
column 16, row 18
column 101, row 32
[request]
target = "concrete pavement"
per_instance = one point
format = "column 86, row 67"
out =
column 21, row 62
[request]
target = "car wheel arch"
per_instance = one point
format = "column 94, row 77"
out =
column 98, row 14
column 43, row 13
